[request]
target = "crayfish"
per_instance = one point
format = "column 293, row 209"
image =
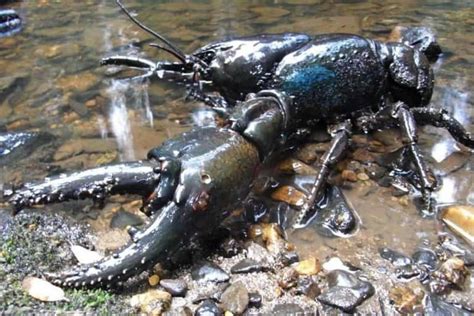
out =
column 268, row 87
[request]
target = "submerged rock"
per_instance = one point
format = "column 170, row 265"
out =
column 460, row 219
column 435, row 306
column 235, row 298
column 405, row 300
column 17, row 146
column 346, row 291
column 209, row 272
column 122, row 219
column 451, row 274
column 396, row 258
column 426, row 258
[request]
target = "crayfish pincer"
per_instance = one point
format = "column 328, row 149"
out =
column 185, row 187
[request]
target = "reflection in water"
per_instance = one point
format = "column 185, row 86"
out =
column 119, row 120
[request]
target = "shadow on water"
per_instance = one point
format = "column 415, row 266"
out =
column 51, row 81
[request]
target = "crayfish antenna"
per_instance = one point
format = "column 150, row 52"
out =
column 172, row 48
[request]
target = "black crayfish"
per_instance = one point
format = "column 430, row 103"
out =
column 270, row 87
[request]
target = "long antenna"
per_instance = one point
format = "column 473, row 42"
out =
column 166, row 49
column 177, row 52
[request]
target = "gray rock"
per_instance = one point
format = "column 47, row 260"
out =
column 235, row 298
column 175, row 287
column 346, row 291
column 208, row 308
column 425, row 257
column 209, row 272
column 396, row 258
column 122, row 219
column 255, row 300
column 246, row 266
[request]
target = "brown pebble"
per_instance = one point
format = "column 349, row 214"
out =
column 309, row 266
column 154, row 280
column 362, row 176
column 405, row 299
column 287, row 278
column 349, row 175
column 289, row 195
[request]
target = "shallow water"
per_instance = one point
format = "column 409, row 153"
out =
column 53, row 83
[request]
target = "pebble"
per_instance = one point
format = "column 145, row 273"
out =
column 337, row 264
column 246, row 266
column 306, row 286
column 153, row 280
column 453, row 271
column 209, row 272
column 293, row 166
column 179, row 311
column 287, row 278
column 259, row 254
column 362, row 176
column 289, row 195
column 153, row 302
column 235, row 298
column 121, row 219
column 345, row 291
column 208, row 308
column 405, row 300
column 175, row 287
column 426, row 258
column 460, row 219
column 435, row 306
column 289, row 257
column 255, row 300
column 272, row 236
column 310, row 266
column 349, row 175
column 396, row 258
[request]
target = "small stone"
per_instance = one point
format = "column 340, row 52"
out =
column 121, row 219
column 310, row 266
column 287, row 278
column 426, row 258
column 396, row 258
column 153, row 280
column 460, row 219
column 272, row 236
column 337, row 264
column 288, row 258
column 235, row 298
column 345, row 291
column 153, row 302
column 349, row 175
column 306, row 286
column 175, row 287
column 293, row 166
column 259, row 254
column 208, row 308
column 289, row 195
column 209, row 272
column 453, row 271
column 246, row 266
column 362, row 176
column 404, row 299
column 255, row 300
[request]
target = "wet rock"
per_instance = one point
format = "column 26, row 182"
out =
column 405, row 300
column 335, row 217
column 287, row 278
column 407, row 272
column 208, row 308
column 293, row 166
column 279, row 215
column 310, row 152
column 288, row 258
column 435, row 306
column 209, row 272
column 153, row 302
column 88, row 146
column 255, row 300
column 460, row 219
column 272, row 236
column 153, row 280
column 452, row 271
column 345, row 291
column 426, row 258
column 246, row 266
column 122, row 219
column 376, row 172
column 453, row 162
column 396, row 258
column 175, row 287
column 235, row 298
column 287, row 309
column 16, row 146
column 289, row 195
column 306, row 286
column 349, row 175
column 80, row 82
column 337, row 264
column 310, row 266
column 259, row 254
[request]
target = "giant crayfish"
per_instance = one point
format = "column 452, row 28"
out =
column 271, row 86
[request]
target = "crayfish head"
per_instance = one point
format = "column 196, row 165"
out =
column 420, row 38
